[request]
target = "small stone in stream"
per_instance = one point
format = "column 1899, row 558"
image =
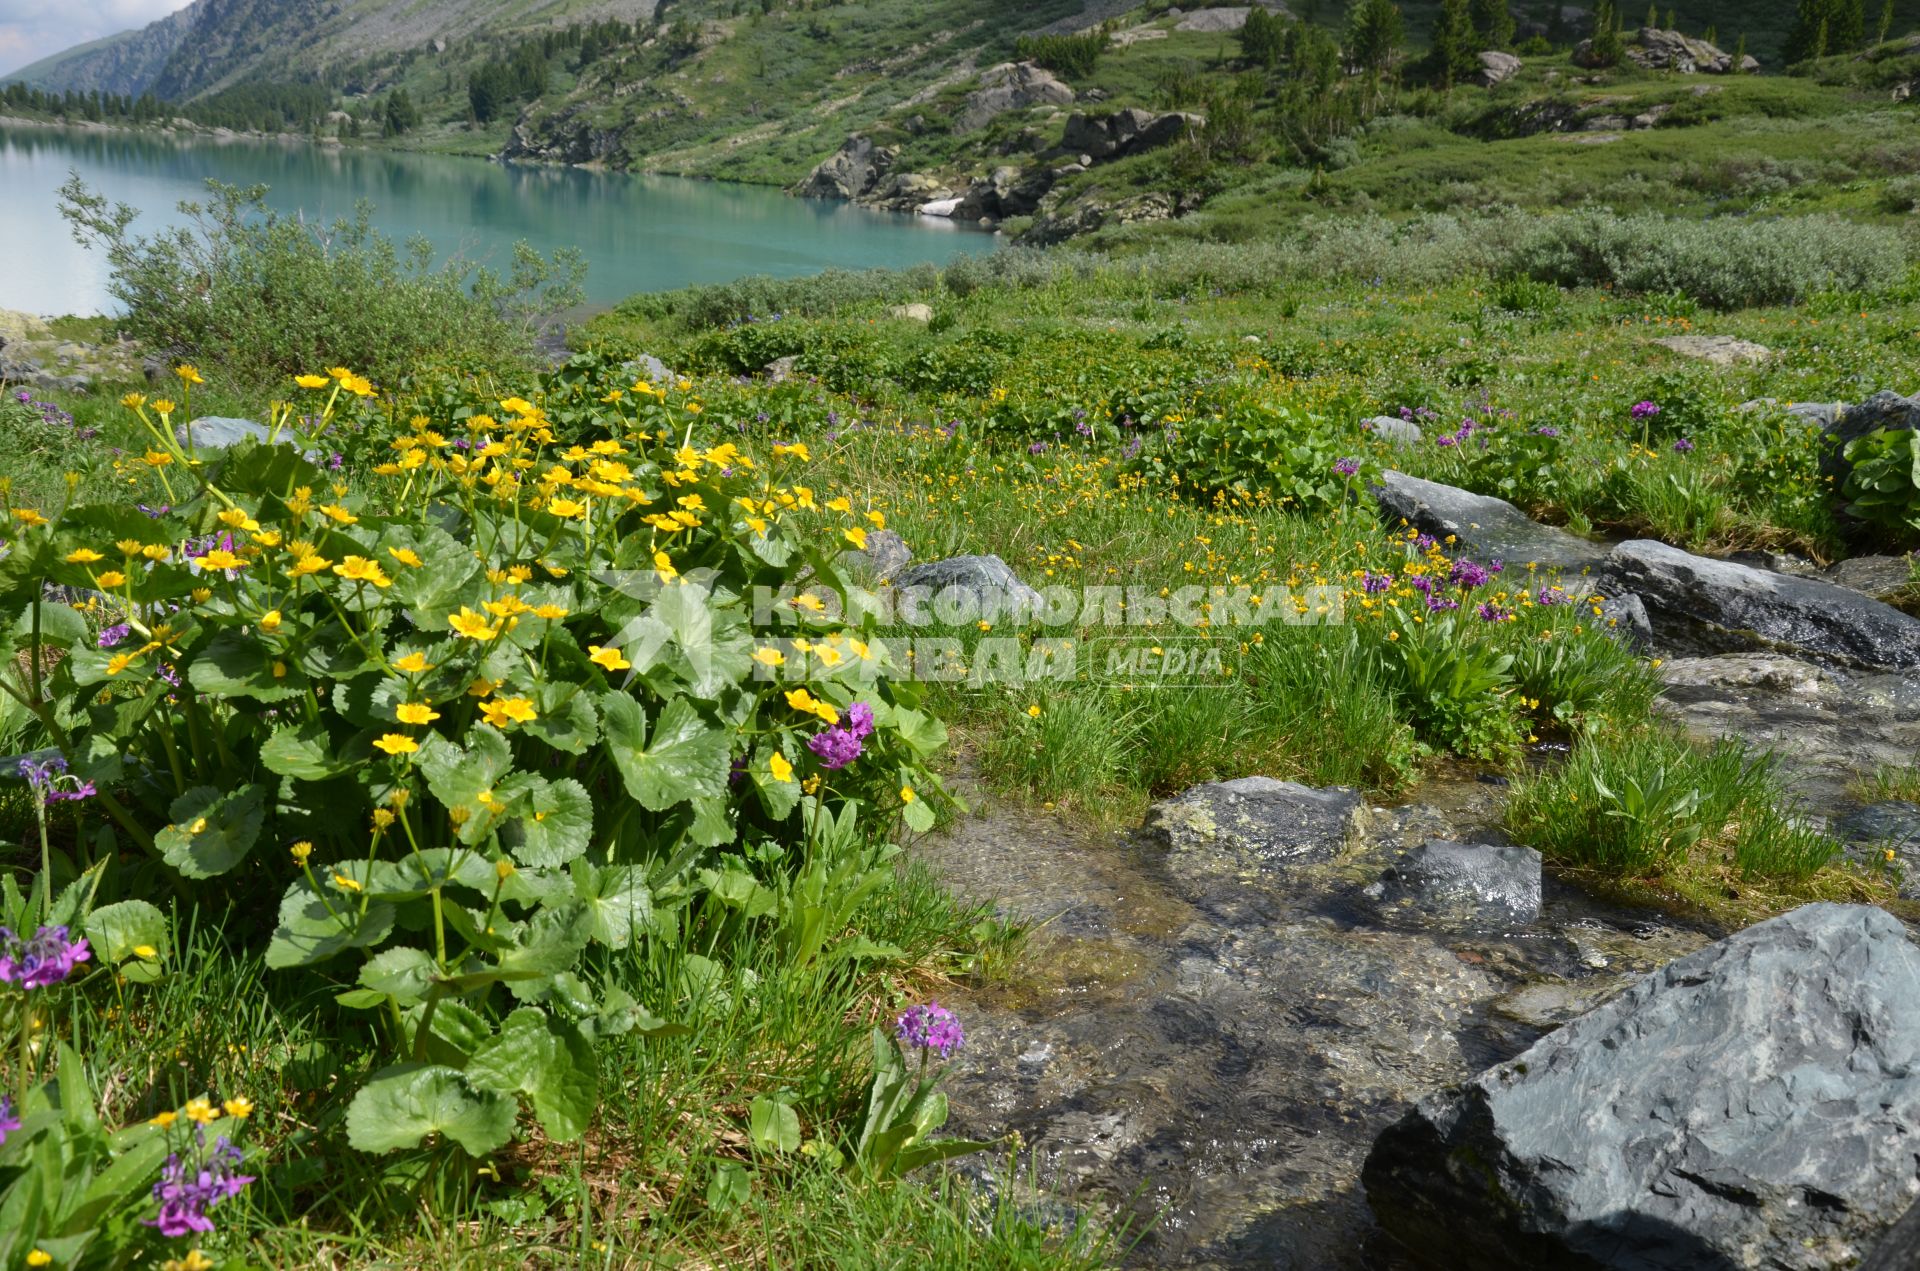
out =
column 1251, row 824
column 1460, row 887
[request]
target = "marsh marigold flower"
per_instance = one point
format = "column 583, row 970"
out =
column 415, row 713
column 609, row 659
column 397, row 744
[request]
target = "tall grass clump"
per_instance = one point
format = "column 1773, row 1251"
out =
column 265, row 298
column 1648, row 804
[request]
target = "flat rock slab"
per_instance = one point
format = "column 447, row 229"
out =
column 1721, row 350
column 1482, row 526
column 1754, row 1104
column 1253, row 824
column 1876, row 576
column 1460, row 887
column 1758, row 608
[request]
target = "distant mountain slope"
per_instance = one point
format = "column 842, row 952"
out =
column 212, row 44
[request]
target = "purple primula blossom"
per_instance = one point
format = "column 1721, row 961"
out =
column 1645, row 410
column 1373, row 584
column 50, row 783
column 1425, row 543
column 860, row 720
column 1037, row 448
column 9, row 1122
column 1467, row 574
column 113, row 635
column 41, row 962
column 931, row 1027
column 1553, row 596
column 1546, row 430
column 1490, row 612
column 835, row 748
column 187, row 1192
column 1439, row 604
column 1346, row 467
column 1446, row 439
column 1683, row 446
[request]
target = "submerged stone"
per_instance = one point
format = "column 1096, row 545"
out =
column 1460, row 887
column 1254, row 823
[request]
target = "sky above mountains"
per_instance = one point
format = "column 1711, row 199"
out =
column 32, row 29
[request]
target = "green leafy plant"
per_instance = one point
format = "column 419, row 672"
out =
column 1883, row 482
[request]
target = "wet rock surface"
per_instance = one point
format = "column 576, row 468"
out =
column 1460, row 886
column 1752, row 1104
column 1221, row 1047
column 1250, row 825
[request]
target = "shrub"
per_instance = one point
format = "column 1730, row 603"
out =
column 467, row 728
column 1074, row 56
column 265, row 298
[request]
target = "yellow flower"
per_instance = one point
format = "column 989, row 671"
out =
column 188, row 374
column 201, row 1111
column 879, row 520
column 239, row 1107
column 83, row 556
column 164, row 1119
column 348, row 884
column 481, row 687
column 311, row 381
column 111, row 578
column 301, row 851
column 801, row 700
column 611, row 659
column 201, row 595
column 406, row 556
column 134, row 401
column 1034, row 710
column 777, row 764
column 472, row 625
column 397, row 744
column 146, row 951
column 219, row 558
column 413, row 664
column 27, row 516
column 119, row 662
column 663, row 565
column 839, row 504
column 39, row 1258
column 798, row 449
column 235, row 519
column 270, row 620
column 415, row 713
column 769, row 657
column 311, row 563
column 517, row 406
column 163, row 406
column 338, row 514
column 361, row 570
column 907, row 795
column 550, row 613
column 382, row 818
column 194, row 1261
column 856, row 536
column 518, row 709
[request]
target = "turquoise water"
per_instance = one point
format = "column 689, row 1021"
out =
column 639, row 233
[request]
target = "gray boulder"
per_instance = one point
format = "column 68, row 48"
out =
column 1735, row 606
column 1899, row 1249
column 1481, row 525
column 962, row 589
column 1401, row 432
column 1496, row 68
column 1127, row 131
column 1009, row 86
column 850, row 172
column 1885, row 409
column 1720, row 350
column 649, row 367
column 1252, row 824
column 219, row 431
column 1754, row 1104
column 1460, row 887
column 885, row 555
column 1876, row 576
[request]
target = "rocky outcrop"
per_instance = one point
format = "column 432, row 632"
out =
column 1460, row 887
column 850, row 172
column 1655, row 49
column 1092, row 212
column 1496, row 68
column 1722, row 604
column 1006, row 87
column 1122, row 132
column 1885, row 409
column 1753, row 1104
column 1720, row 350
column 1481, row 526
column 564, row 138
column 905, row 192
column 1253, row 824
column 1213, row 20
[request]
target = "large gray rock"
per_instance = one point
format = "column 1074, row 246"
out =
column 1720, row 350
column 219, row 431
column 1460, row 887
column 1010, row 86
column 1885, row 409
column 854, row 170
column 963, row 589
column 1481, row 525
column 1735, row 606
column 1401, row 432
column 1495, row 68
column 1126, row 131
column 885, row 555
column 1899, row 1249
column 1252, row 824
column 1754, row 1104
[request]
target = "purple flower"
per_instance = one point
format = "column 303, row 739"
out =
column 1446, row 439
column 50, row 783
column 186, row 1192
column 113, row 635
column 1422, row 585
column 835, row 748
column 1132, row 447
column 1553, row 596
column 1439, row 604
column 1683, row 446
column 1037, row 448
column 8, row 1121
column 1495, row 565
column 1373, row 584
column 41, row 962
column 1346, row 467
column 1425, row 543
column 860, row 720
column 1467, row 574
column 1645, row 410
column 931, row 1027
column 1490, row 612
column 1546, row 430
